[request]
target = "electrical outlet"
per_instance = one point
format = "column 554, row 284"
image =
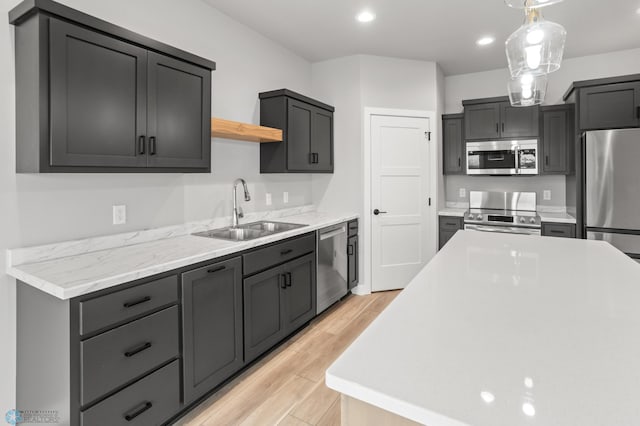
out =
column 119, row 215
column 546, row 195
column 285, row 197
column 463, row 193
column 268, row 199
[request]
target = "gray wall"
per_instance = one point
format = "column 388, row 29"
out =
column 38, row 209
column 494, row 83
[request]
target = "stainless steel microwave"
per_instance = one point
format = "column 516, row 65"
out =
column 503, row 157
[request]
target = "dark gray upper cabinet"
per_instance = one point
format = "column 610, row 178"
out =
column 94, row 97
column 212, row 326
column 557, row 130
column 495, row 118
column 307, row 126
column 518, row 122
column 482, row 121
column 611, row 106
column 453, row 144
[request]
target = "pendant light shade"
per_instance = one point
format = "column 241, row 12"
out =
column 530, row 4
column 536, row 47
column 527, row 90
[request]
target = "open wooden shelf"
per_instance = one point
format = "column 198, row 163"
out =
column 228, row 129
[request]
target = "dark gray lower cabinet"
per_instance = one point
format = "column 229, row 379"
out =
column 300, row 292
column 447, row 227
column 211, row 326
column 352, row 260
column 563, row 230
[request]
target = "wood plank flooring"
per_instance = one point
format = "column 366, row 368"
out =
column 287, row 386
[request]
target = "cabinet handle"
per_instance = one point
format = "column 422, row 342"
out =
column 283, row 281
column 214, row 270
column 555, row 231
column 137, row 350
column 350, row 250
column 285, row 252
column 497, row 128
column 317, row 158
column 546, row 160
column 288, row 281
column 152, row 145
column 459, row 162
column 137, row 412
column 137, row 302
column 311, row 158
column 141, row 145
column 503, row 127
column 638, row 111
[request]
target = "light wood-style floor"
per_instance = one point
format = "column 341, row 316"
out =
column 287, row 386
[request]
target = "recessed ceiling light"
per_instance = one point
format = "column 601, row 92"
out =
column 365, row 16
column 484, row 41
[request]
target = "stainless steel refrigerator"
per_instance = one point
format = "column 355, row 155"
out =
column 612, row 188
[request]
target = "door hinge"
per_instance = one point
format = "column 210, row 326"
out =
column 429, row 200
column 427, row 135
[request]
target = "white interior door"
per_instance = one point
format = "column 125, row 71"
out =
column 400, row 191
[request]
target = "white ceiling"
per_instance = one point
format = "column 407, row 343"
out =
column 444, row 31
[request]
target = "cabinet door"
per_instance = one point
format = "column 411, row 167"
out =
column 300, row 118
column 98, row 99
column 322, row 140
column 482, row 121
column 611, row 106
column 555, row 141
column 518, row 122
column 300, row 292
column 453, row 146
column 212, row 326
column 263, row 320
column 352, row 256
column 179, row 108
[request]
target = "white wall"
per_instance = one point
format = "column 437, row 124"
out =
column 494, row 83
column 37, row 209
column 351, row 84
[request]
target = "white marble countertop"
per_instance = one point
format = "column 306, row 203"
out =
column 556, row 217
column 76, row 275
column 452, row 211
column 506, row 330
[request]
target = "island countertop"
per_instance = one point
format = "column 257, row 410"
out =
column 506, row 330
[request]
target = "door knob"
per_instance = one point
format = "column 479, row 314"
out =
column 377, row 212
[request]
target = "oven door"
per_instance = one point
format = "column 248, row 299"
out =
column 502, row 158
column 502, row 229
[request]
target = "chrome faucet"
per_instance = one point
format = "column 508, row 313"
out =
column 237, row 211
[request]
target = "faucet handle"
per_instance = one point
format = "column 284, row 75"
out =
column 240, row 212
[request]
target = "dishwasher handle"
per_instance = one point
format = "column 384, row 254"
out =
column 324, row 235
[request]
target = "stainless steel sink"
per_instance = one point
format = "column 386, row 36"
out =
column 249, row 231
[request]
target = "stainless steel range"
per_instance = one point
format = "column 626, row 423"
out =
column 506, row 212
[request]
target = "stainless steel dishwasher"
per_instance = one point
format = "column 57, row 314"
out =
column 332, row 265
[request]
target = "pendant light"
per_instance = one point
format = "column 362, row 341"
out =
column 536, row 47
column 530, row 4
column 527, row 90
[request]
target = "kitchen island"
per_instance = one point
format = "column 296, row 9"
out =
column 502, row 330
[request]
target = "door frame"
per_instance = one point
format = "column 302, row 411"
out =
column 369, row 112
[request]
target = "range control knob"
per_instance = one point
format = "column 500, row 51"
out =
column 532, row 220
column 478, row 217
column 522, row 220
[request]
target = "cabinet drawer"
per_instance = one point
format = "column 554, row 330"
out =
column 118, row 356
column 150, row 401
column 450, row 223
column 563, row 230
column 353, row 228
column 103, row 311
column 265, row 258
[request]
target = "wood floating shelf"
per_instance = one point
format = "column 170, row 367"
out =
column 228, row 129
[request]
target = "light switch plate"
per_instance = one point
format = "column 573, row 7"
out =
column 268, row 199
column 285, row 197
column 463, row 193
column 546, row 195
column 119, row 215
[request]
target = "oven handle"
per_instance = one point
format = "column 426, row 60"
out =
column 333, row 232
column 502, row 229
